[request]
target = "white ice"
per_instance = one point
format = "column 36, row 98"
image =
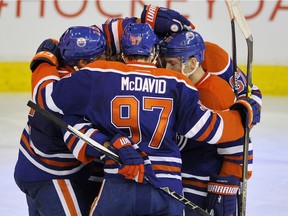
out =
column 267, row 193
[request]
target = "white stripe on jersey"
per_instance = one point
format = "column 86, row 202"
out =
column 42, row 154
column 218, row 133
column 232, row 150
column 35, row 90
column 62, row 197
column 224, row 70
column 166, row 159
column 48, row 170
column 80, row 142
column 162, row 175
column 111, row 171
column 202, row 178
column 116, row 36
column 193, row 191
column 199, row 125
column 48, row 98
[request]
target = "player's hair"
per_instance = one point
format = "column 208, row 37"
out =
column 82, row 42
column 139, row 39
column 184, row 44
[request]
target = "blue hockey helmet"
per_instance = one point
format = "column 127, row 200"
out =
column 82, row 42
column 139, row 39
column 183, row 44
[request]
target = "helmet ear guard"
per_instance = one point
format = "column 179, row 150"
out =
column 82, row 42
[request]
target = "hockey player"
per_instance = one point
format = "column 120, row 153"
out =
column 147, row 104
column 207, row 165
column 52, row 173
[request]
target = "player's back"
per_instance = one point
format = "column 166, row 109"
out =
column 140, row 101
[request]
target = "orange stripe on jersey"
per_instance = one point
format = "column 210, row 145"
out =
column 95, row 202
column 108, row 37
column 83, row 157
column 194, row 183
column 120, row 32
column 110, row 162
column 236, row 129
column 209, row 129
column 229, row 168
column 72, row 140
column 47, row 161
column 234, row 157
column 67, row 196
column 216, row 59
column 166, row 168
column 42, row 71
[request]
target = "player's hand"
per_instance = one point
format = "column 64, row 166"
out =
column 164, row 20
column 222, row 195
column 132, row 167
column 248, row 106
column 48, row 52
column 150, row 175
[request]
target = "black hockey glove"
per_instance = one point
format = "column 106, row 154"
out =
column 164, row 21
column 48, row 52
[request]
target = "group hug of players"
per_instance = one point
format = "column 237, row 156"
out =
column 151, row 90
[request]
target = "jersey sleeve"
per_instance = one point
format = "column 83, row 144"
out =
column 80, row 149
column 113, row 30
column 207, row 125
column 232, row 154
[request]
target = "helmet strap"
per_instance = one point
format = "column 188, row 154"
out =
column 193, row 71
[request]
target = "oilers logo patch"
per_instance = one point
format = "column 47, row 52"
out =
column 135, row 40
column 81, row 42
column 174, row 28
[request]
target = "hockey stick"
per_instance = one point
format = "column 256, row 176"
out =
column 240, row 19
column 110, row 154
column 234, row 50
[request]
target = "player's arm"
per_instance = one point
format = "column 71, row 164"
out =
column 163, row 20
column 44, row 67
column 217, row 61
column 211, row 126
column 232, row 153
column 80, row 149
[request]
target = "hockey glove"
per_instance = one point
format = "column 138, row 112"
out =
column 149, row 172
column 164, row 20
column 48, row 52
column 132, row 167
column 247, row 107
column 222, row 195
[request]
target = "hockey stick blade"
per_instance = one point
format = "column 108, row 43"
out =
column 110, row 154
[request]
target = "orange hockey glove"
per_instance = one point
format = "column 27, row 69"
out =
column 132, row 167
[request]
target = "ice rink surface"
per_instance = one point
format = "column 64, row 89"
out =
column 267, row 189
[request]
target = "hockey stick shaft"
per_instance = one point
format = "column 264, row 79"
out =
column 110, row 154
column 234, row 49
column 240, row 19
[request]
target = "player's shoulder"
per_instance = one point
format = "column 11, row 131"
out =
column 104, row 64
column 216, row 58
